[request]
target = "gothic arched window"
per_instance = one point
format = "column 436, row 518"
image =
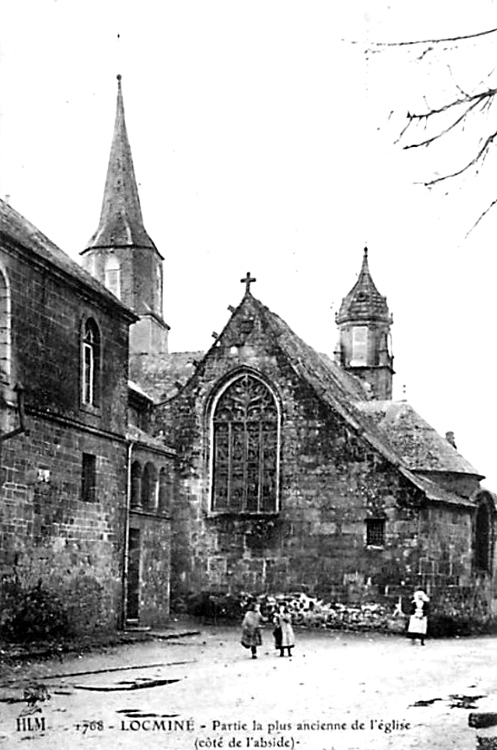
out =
column 245, row 448
column 91, row 363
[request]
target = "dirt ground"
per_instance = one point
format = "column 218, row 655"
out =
column 339, row 691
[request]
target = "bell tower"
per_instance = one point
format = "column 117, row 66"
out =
column 364, row 346
column 121, row 254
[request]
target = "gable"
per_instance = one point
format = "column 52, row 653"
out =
column 254, row 337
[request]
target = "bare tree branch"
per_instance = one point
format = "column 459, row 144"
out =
column 483, row 99
column 455, row 115
column 482, row 216
column 486, row 145
column 489, row 93
column 464, row 93
column 426, row 52
column 458, row 38
column 443, row 132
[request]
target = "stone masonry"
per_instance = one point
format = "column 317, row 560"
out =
column 334, row 475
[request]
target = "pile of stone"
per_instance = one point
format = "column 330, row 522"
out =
column 311, row 612
column 307, row 611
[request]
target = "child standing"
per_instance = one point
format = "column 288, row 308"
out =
column 283, row 632
column 418, row 621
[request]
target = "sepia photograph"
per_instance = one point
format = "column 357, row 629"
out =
column 248, row 483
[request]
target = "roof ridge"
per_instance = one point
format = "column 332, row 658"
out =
column 18, row 229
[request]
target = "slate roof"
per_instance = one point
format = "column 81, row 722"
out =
column 15, row 228
column 136, row 389
column 136, row 435
column 419, row 444
column 436, row 493
column 163, row 374
column 340, row 390
column 363, row 302
column 121, row 221
column 357, row 388
column 344, row 392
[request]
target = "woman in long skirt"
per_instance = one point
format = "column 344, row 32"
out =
column 283, row 632
column 251, row 629
column 418, row 621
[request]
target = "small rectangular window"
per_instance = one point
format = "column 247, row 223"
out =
column 89, row 478
column 375, row 532
column 359, row 346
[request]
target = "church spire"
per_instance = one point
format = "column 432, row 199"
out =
column 121, row 221
column 363, row 302
column 120, row 254
column 364, row 322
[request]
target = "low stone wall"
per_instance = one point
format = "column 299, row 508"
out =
column 307, row 611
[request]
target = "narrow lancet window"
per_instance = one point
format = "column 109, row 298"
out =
column 91, row 363
column 5, row 329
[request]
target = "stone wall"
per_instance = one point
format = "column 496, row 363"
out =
column 53, row 533
column 155, row 534
column 48, row 315
column 50, row 534
column 331, row 481
column 151, row 518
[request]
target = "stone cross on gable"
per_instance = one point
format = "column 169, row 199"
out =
column 248, row 280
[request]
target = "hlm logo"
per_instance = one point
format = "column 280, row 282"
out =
column 27, row 721
column 30, row 724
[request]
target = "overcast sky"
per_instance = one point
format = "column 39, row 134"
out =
column 264, row 140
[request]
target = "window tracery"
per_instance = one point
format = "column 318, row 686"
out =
column 245, row 448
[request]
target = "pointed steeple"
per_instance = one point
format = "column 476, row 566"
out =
column 121, row 255
column 364, row 322
column 363, row 302
column 121, row 221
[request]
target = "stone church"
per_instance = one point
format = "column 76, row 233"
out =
column 134, row 477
